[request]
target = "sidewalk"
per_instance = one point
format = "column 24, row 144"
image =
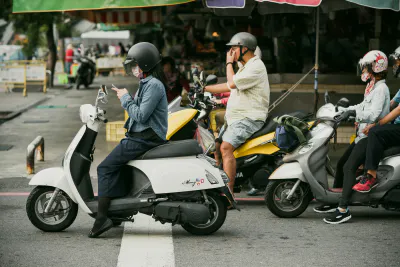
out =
column 57, row 120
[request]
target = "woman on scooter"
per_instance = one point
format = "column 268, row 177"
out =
column 376, row 105
column 382, row 137
column 146, row 127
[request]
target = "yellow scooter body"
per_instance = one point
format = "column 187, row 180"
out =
column 178, row 119
column 259, row 145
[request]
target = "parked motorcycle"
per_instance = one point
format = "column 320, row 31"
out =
column 256, row 159
column 304, row 174
column 85, row 73
column 174, row 183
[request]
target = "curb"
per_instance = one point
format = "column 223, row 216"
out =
column 22, row 110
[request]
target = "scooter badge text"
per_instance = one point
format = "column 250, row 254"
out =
column 197, row 182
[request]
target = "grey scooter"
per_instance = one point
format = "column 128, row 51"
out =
column 304, row 174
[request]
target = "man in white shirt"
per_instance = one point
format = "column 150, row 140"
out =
column 248, row 103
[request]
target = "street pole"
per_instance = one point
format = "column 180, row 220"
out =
column 316, row 95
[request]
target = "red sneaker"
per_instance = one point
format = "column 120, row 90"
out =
column 366, row 184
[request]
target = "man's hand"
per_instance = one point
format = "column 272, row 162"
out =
column 216, row 101
column 366, row 129
column 230, row 56
column 120, row 92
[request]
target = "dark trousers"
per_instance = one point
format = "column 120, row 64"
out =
column 380, row 138
column 108, row 171
column 346, row 169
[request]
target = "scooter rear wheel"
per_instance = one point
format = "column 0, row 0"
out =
column 218, row 211
column 275, row 198
column 62, row 216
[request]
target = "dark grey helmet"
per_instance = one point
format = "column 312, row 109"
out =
column 144, row 54
column 244, row 39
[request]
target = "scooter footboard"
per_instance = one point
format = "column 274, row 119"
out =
column 291, row 170
column 53, row 177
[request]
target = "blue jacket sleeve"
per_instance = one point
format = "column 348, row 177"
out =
column 150, row 98
column 396, row 98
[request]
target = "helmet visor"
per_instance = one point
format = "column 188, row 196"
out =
column 129, row 66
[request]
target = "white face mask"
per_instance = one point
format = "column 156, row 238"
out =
column 136, row 71
column 365, row 76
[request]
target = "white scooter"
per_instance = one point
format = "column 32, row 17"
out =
column 173, row 183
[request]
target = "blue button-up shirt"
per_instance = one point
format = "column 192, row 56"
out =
column 148, row 109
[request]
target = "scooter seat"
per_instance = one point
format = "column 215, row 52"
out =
column 174, row 149
column 270, row 124
column 391, row 151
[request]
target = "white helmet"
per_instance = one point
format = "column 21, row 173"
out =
column 375, row 61
column 393, row 61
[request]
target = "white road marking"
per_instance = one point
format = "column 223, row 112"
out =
column 146, row 243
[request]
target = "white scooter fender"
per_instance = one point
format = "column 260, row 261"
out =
column 53, row 177
column 291, row 170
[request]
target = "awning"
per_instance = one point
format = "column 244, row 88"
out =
column 313, row 3
column 379, row 4
column 121, row 17
column 22, row 6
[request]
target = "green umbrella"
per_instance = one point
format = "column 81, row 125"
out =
column 21, row 6
column 380, row 4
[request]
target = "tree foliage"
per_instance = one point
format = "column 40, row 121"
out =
column 35, row 26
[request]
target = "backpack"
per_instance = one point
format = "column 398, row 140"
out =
column 290, row 132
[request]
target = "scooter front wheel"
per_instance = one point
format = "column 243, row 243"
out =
column 60, row 217
column 276, row 198
column 218, row 211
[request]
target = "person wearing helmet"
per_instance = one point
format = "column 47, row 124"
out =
column 247, row 107
column 146, row 126
column 372, row 70
column 382, row 137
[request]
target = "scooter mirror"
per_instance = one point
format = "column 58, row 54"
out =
column 202, row 76
column 343, row 102
column 211, row 79
column 104, row 89
column 327, row 97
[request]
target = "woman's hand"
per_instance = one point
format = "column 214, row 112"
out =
column 120, row 92
column 230, row 56
column 366, row 129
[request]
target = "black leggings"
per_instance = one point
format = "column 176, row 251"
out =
column 346, row 170
column 379, row 139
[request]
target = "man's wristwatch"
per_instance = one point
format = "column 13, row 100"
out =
column 229, row 63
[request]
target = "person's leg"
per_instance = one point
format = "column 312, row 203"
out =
column 379, row 139
column 338, row 182
column 356, row 158
column 108, row 173
column 235, row 135
column 218, row 156
column 229, row 162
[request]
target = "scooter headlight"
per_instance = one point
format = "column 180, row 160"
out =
column 211, row 178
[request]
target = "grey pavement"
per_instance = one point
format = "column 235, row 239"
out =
column 251, row 237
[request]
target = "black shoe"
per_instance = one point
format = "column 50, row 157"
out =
column 325, row 208
column 338, row 217
column 253, row 192
column 107, row 225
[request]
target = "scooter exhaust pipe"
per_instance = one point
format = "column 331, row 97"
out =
column 182, row 212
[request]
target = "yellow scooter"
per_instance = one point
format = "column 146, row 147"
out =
column 256, row 159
